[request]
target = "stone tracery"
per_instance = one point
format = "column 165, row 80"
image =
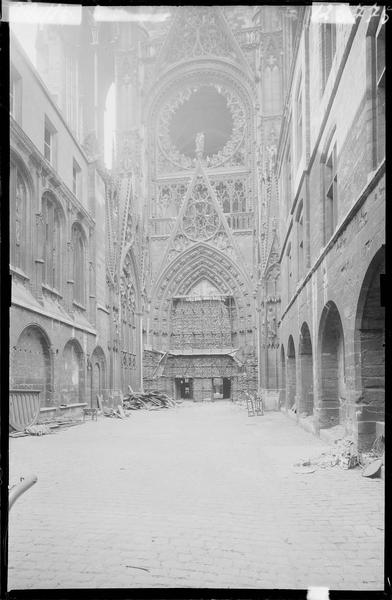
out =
column 201, row 34
column 200, row 220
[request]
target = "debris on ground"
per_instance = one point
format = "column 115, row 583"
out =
column 115, row 413
column 152, row 400
column 343, row 453
column 304, row 469
column 37, row 430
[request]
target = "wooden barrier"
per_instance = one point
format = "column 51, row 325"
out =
column 24, row 408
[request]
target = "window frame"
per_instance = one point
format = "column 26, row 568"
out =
column 289, row 261
column 79, row 270
column 52, row 243
column 76, row 179
column 299, row 121
column 330, row 191
column 19, row 252
column 300, row 241
column 50, row 147
column 288, row 175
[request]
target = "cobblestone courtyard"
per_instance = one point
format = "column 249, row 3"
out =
column 198, row 496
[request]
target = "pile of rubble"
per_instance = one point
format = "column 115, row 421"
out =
column 148, row 400
column 344, row 453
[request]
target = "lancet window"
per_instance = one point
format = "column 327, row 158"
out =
column 79, row 268
column 18, row 215
column 52, row 242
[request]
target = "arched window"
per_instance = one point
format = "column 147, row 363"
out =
column 52, row 242
column 18, row 217
column 79, row 270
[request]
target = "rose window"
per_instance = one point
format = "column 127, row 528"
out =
column 210, row 111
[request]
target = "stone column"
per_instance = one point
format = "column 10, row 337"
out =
column 139, row 348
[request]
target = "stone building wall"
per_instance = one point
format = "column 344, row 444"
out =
column 59, row 334
column 331, row 357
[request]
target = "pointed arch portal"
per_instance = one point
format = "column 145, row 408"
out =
column 200, row 318
column 200, row 262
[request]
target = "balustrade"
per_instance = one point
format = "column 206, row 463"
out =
column 161, row 226
column 240, row 220
column 248, row 37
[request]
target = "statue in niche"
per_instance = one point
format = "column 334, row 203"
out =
column 179, row 243
column 199, row 141
column 221, row 241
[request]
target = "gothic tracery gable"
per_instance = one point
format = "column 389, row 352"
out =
column 200, row 219
column 197, row 32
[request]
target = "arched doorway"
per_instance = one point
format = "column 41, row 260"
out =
column 291, row 384
column 31, row 363
column 73, row 375
column 98, row 374
column 282, row 400
column 306, row 371
column 370, row 332
column 332, row 366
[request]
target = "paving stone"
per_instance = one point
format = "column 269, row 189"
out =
column 203, row 501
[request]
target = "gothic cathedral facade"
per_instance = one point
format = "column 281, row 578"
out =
column 198, row 263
